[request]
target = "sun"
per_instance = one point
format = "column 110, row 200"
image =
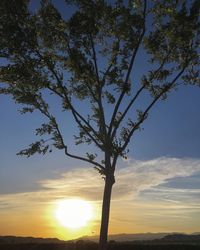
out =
column 73, row 213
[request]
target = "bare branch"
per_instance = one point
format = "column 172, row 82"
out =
column 84, row 159
column 72, row 155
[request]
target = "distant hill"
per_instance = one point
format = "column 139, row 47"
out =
column 182, row 237
column 146, row 237
column 19, row 240
column 161, row 237
column 128, row 237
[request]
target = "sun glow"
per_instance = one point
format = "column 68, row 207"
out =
column 74, row 213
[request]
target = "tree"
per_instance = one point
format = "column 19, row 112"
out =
column 90, row 55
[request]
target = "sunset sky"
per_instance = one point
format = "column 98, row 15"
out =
column 157, row 188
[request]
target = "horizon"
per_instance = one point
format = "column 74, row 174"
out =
column 123, row 237
column 121, row 234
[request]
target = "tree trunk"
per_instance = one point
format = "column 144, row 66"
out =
column 109, row 181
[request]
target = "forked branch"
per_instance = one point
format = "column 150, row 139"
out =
column 145, row 113
column 72, row 155
column 75, row 113
column 135, row 51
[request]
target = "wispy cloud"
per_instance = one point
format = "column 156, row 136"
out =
column 142, row 197
column 131, row 181
column 144, row 175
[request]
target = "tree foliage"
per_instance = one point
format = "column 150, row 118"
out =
column 93, row 54
column 90, row 55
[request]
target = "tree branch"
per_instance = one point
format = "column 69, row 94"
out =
column 99, row 100
column 137, row 95
column 72, row 155
column 95, row 59
column 105, row 73
column 84, row 159
column 75, row 113
column 145, row 113
column 128, row 73
column 126, row 110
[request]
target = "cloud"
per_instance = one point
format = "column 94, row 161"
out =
column 143, row 175
column 131, row 181
column 78, row 182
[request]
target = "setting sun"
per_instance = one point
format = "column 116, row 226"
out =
column 73, row 213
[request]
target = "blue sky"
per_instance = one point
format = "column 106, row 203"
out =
column 171, row 130
column 164, row 164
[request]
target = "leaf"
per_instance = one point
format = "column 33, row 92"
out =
column 110, row 97
column 37, row 147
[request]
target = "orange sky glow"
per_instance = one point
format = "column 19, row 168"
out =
column 141, row 202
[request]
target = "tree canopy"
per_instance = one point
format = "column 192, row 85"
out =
column 90, row 54
column 95, row 54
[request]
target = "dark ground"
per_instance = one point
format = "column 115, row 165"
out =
column 81, row 245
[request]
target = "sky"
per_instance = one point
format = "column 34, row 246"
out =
column 157, row 188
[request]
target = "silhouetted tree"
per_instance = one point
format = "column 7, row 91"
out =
column 90, row 54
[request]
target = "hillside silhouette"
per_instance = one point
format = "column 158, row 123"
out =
column 168, row 242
